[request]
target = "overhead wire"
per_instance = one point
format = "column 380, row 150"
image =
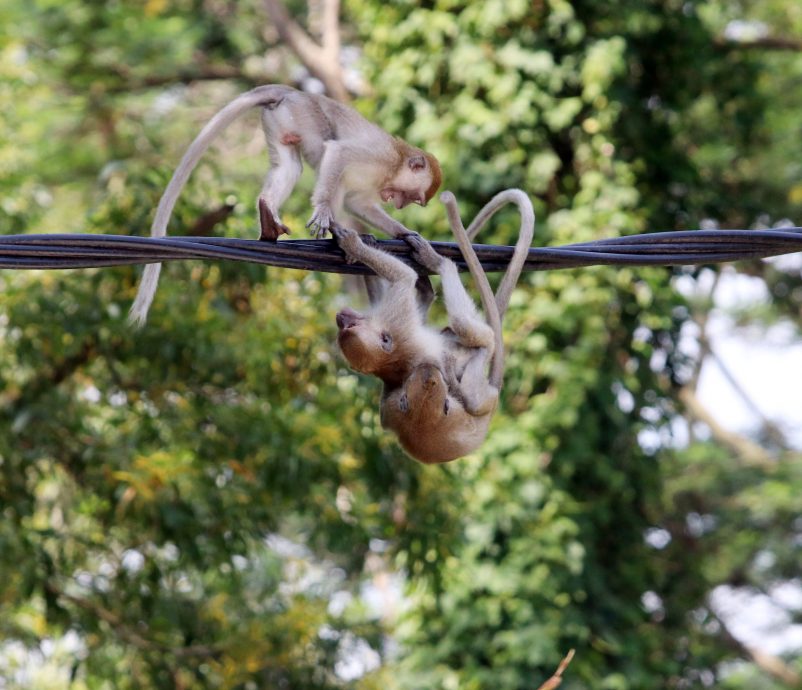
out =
column 685, row 247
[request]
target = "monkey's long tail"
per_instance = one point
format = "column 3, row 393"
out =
column 260, row 96
column 525, row 235
column 489, row 303
column 495, row 306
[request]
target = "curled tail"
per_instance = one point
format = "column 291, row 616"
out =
column 262, row 95
column 495, row 306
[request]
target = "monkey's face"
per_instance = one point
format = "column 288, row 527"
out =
column 431, row 424
column 425, row 393
column 416, row 181
column 423, row 400
column 366, row 346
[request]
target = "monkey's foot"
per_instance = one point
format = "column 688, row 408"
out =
column 271, row 228
column 423, row 252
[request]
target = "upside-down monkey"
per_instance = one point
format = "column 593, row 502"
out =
column 359, row 166
column 438, row 397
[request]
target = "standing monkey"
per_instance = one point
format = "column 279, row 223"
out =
column 438, row 397
column 359, row 166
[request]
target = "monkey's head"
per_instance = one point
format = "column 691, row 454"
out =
column 431, row 424
column 369, row 348
column 415, row 181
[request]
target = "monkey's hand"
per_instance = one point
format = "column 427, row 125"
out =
column 349, row 241
column 423, row 252
column 369, row 240
column 322, row 221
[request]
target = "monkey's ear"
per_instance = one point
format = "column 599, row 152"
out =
column 416, row 162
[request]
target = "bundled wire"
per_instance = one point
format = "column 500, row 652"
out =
column 56, row 251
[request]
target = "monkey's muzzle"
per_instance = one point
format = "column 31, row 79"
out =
column 427, row 377
column 348, row 318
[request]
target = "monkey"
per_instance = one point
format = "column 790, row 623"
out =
column 437, row 397
column 359, row 166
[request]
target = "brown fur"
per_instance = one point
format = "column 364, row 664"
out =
column 436, row 396
column 437, row 176
column 426, row 431
column 358, row 346
column 442, row 397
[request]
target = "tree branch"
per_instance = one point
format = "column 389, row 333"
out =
column 52, row 377
column 770, row 664
column 330, row 29
column 764, row 43
column 320, row 61
column 124, row 632
column 557, row 678
column 702, row 318
column 770, row 429
column 748, row 451
column 202, row 73
column 204, row 225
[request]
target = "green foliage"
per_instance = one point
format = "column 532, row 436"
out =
column 190, row 505
column 615, row 115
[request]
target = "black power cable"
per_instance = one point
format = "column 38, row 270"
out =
column 653, row 249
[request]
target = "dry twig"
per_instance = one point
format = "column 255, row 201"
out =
column 557, row 678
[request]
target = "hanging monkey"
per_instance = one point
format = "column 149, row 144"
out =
column 359, row 166
column 438, row 396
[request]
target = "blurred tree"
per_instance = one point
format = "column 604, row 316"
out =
column 180, row 505
column 620, row 117
column 204, row 504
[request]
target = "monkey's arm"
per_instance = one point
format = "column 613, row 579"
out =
column 343, row 167
column 385, row 265
column 375, row 287
column 373, row 214
column 328, row 195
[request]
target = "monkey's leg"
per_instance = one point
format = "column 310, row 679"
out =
column 470, row 329
column 474, row 391
column 285, row 169
column 463, row 317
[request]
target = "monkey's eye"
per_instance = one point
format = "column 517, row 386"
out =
column 446, row 406
column 386, row 341
column 416, row 163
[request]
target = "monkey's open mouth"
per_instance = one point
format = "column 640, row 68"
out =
column 391, row 195
column 400, row 198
